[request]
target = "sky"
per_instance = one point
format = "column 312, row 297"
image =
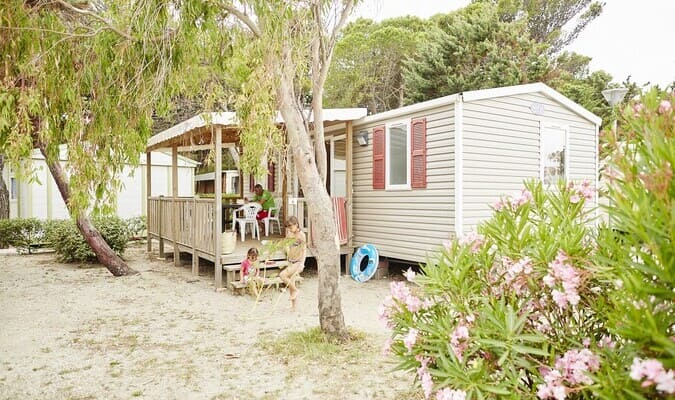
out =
column 630, row 37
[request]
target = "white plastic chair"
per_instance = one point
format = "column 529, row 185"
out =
column 246, row 215
column 273, row 216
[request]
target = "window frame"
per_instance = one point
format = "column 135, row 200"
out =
column 543, row 126
column 13, row 188
column 387, row 155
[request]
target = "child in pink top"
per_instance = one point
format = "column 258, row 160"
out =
column 248, row 266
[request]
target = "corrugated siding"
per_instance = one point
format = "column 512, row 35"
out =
column 407, row 224
column 501, row 148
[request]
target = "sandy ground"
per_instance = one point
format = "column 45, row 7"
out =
column 76, row 332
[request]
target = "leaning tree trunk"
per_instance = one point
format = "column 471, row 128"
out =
column 4, row 194
column 104, row 253
column 324, row 232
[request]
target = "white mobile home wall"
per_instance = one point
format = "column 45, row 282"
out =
column 41, row 198
column 501, row 148
column 406, row 224
column 480, row 145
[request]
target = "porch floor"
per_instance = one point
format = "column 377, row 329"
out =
column 230, row 262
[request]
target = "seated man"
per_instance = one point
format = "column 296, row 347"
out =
column 264, row 197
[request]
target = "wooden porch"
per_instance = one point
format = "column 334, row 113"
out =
column 194, row 225
column 192, row 232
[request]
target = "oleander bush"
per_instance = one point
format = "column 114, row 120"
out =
column 542, row 303
column 70, row 246
column 23, row 233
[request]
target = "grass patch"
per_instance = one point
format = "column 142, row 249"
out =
column 312, row 350
column 315, row 346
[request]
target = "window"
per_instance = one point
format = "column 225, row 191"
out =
column 13, row 190
column 398, row 155
column 553, row 154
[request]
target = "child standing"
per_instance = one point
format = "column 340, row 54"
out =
column 248, row 265
column 296, row 252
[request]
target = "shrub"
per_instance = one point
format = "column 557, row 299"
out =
column 70, row 246
column 5, row 232
column 639, row 253
column 23, row 233
column 540, row 304
column 136, row 227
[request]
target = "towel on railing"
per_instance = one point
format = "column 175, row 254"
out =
column 340, row 212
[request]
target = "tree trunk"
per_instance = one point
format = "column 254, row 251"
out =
column 4, row 194
column 104, row 253
column 324, row 232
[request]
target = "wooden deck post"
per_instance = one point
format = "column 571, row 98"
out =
column 349, row 147
column 148, row 187
column 284, row 186
column 195, row 257
column 174, row 193
column 218, row 188
column 160, row 226
column 349, row 150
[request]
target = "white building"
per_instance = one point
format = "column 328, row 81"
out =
column 41, row 198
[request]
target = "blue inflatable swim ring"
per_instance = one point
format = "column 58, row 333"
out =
column 366, row 252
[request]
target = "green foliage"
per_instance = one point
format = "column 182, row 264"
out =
column 485, row 323
column 639, row 250
column 23, row 233
column 69, row 245
column 366, row 69
column 540, row 303
column 90, row 80
column 5, row 233
column 472, row 49
column 136, row 227
column 547, row 20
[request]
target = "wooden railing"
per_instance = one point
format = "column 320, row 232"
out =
column 191, row 220
column 194, row 224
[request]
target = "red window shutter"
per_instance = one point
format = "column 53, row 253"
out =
column 418, row 153
column 378, row 157
column 251, row 182
column 271, row 176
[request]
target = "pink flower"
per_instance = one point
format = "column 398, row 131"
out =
column 571, row 369
column 449, row 394
column 498, row 205
column 549, row 281
column 606, row 341
column 575, row 365
column 475, row 240
column 410, row 339
column 413, row 303
column 653, row 372
column 574, row 199
column 665, row 107
column 665, row 382
column 386, row 347
column 458, row 340
column 399, row 290
column 638, row 108
column 559, row 298
column 427, row 384
column 409, row 275
column 568, row 277
column 524, row 197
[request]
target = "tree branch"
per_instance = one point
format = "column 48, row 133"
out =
column 243, row 18
column 97, row 17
